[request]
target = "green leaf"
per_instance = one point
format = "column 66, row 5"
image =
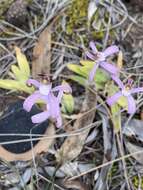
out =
column 112, row 89
column 82, row 81
column 100, row 77
column 75, row 68
column 67, row 103
column 16, row 72
column 9, row 84
column 81, row 70
column 87, row 63
column 116, row 117
column 22, row 62
column 21, row 74
column 123, row 102
column 15, row 85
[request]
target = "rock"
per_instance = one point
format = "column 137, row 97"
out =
column 17, row 13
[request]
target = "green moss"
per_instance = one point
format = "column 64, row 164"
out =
column 77, row 16
column 77, row 23
column 136, row 182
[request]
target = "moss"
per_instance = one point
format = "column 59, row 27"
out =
column 77, row 23
column 136, row 182
column 77, row 15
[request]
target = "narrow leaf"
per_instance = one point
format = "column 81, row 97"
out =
column 16, row 72
column 87, row 63
column 82, row 81
column 14, row 85
column 22, row 62
column 75, row 68
column 67, row 103
column 116, row 117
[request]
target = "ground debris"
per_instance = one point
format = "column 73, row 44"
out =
column 72, row 146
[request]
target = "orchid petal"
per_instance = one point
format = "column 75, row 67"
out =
column 54, row 107
column 113, row 99
column 131, row 105
column 111, row 50
column 33, row 82
column 45, row 89
column 93, row 71
column 118, row 81
column 65, row 88
column 40, row 117
column 109, row 67
column 93, row 47
column 31, row 100
column 55, row 110
column 62, row 88
column 90, row 55
column 136, row 90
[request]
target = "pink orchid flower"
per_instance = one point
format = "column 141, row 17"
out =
column 125, row 91
column 45, row 93
column 100, row 59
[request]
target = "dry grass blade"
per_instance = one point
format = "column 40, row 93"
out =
column 75, row 184
column 42, row 54
column 72, row 146
column 106, row 164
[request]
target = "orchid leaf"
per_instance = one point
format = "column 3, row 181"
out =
column 20, row 73
column 75, row 68
column 82, row 81
column 100, row 78
column 14, row 85
column 116, row 117
column 22, row 62
column 87, row 63
column 11, row 75
column 67, row 101
column 122, row 101
column 16, row 71
column 115, row 108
